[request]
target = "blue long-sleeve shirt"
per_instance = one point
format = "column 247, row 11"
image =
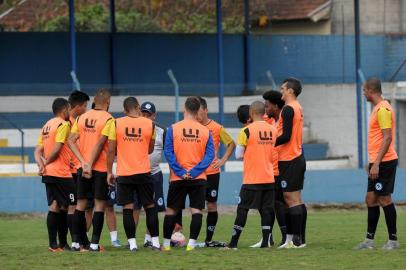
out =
column 177, row 168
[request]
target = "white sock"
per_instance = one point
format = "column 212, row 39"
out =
column 155, row 241
column 132, row 243
column 94, row 246
column 147, row 238
column 113, row 236
column 75, row 245
column 167, row 242
column 192, row 242
column 289, row 238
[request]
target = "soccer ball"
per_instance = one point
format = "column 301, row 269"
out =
column 178, row 239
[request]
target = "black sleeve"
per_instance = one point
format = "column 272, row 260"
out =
column 287, row 116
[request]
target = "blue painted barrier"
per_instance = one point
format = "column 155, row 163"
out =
column 27, row 194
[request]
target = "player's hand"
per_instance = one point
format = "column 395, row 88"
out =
column 41, row 169
column 87, row 170
column 187, row 176
column 111, row 179
column 374, row 172
column 218, row 164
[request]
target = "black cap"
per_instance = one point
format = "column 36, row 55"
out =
column 148, row 107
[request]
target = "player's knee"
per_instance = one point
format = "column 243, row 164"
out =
column 384, row 200
column 170, row 211
column 54, row 207
column 211, row 206
column 149, row 206
column 99, row 205
column 81, row 205
column 195, row 211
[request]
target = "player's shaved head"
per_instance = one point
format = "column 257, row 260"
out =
column 130, row 104
column 374, row 84
column 102, row 97
column 257, row 108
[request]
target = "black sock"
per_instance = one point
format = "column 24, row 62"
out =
column 304, row 221
column 195, row 226
column 288, row 221
column 296, row 217
column 211, row 223
column 178, row 219
column 169, row 225
column 280, row 212
column 52, row 225
column 390, row 217
column 69, row 220
column 239, row 224
column 266, row 217
column 373, row 218
column 63, row 228
column 152, row 221
column 98, row 220
column 129, row 224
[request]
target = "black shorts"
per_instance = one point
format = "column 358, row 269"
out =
column 112, row 196
column 158, row 180
column 94, row 188
column 139, row 185
column 292, row 174
column 178, row 190
column 257, row 197
column 61, row 190
column 212, row 187
column 278, row 190
column 385, row 183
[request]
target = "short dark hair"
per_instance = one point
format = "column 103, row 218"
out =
column 203, row 102
column 78, row 98
column 192, row 105
column 374, row 84
column 243, row 113
column 130, row 103
column 59, row 104
column 295, row 84
column 275, row 97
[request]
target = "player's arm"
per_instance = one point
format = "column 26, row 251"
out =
column 152, row 141
column 170, row 155
column 226, row 140
column 39, row 155
column 385, row 124
column 111, row 154
column 62, row 134
column 206, row 161
column 73, row 137
column 287, row 116
column 242, row 142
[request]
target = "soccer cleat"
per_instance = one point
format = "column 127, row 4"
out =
column 257, row 245
column 66, row 248
column 227, row 247
column 154, row 248
column 165, row 248
column 148, row 244
column 116, row 243
column 98, row 249
column 366, row 244
column 215, row 244
column 288, row 244
column 50, row 249
column 391, row 244
column 190, row 248
column 133, row 249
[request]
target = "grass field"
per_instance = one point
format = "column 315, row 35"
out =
column 331, row 237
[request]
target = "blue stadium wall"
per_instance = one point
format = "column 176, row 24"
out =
column 339, row 186
column 39, row 63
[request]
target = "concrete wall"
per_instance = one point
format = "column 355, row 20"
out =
column 340, row 186
column 376, row 16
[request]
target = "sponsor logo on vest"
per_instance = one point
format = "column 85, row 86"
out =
column 132, row 135
column 190, row 136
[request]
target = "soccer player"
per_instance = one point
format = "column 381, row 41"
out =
column 292, row 164
column 78, row 105
column 148, row 110
column 219, row 135
column 53, row 160
column 189, row 150
column 92, row 177
column 383, row 161
column 243, row 115
column 255, row 145
column 134, row 138
column 273, row 107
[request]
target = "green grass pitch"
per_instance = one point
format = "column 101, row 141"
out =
column 331, row 237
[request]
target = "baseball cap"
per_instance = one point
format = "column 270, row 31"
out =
column 148, row 107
